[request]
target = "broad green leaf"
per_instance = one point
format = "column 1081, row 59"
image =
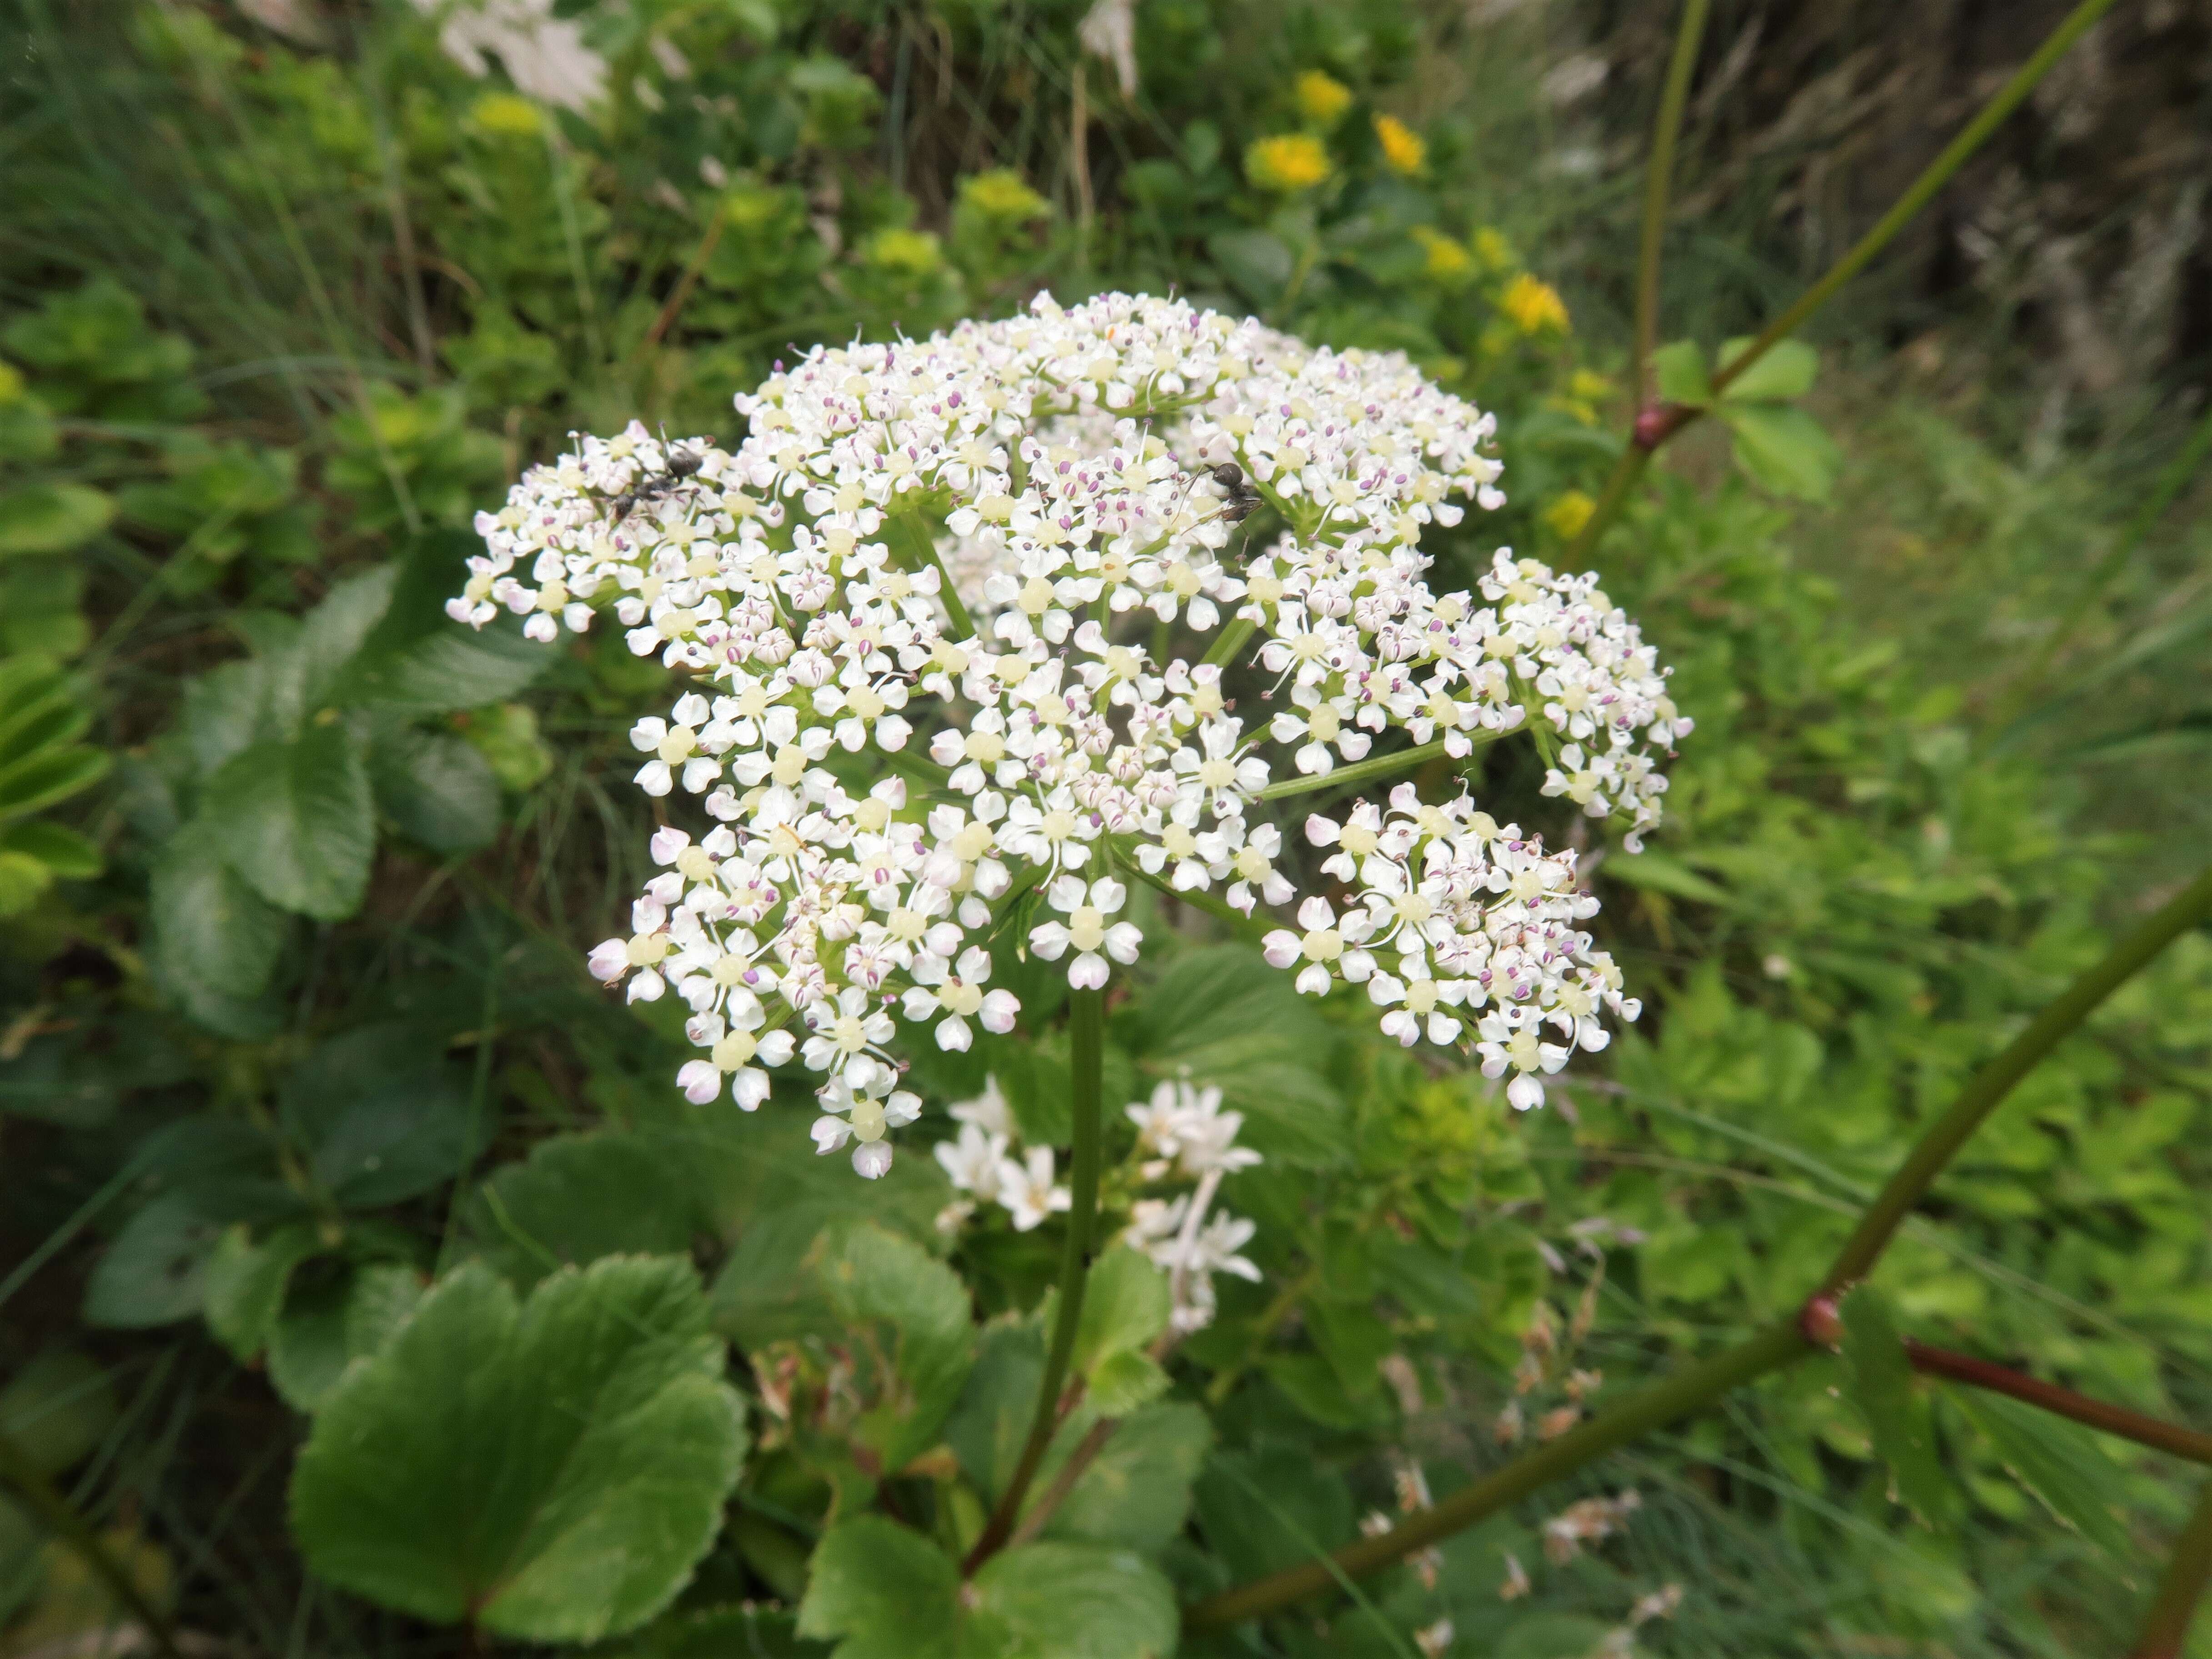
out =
column 2060, row 1461
column 297, row 822
column 381, row 1112
column 577, row 1197
column 327, row 1326
column 1136, row 1494
column 1124, row 1381
column 51, row 518
column 23, row 880
column 38, row 710
column 917, row 1311
column 419, row 660
column 244, row 1283
column 153, row 1273
column 1783, row 449
column 1784, row 371
column 334, row 631
column 211, row 930
column 882, row 1591
column 436, row 786
column 1678, row 370
column 1125, row 1306
column 551, row 1472
column 1897, row 1418
column 747, row 1631
column 57, row 1409
column 1550, row 1636
column 1056, row 1600
column 987, row 1426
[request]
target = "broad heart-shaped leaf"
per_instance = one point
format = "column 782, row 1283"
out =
column 883, row 1591
column 1784, row 371
column 1898, row 1419
column 436, row 786
column 296, row 819
column 1136, row 1494
column 1782, row 449
column 1679, row 369
column 577, row 1197
column 419, row 660
column 209, row 926
column 380, row 1113
column 551, row 1472
column 329, row 1326
column 1054, row 1600
column 2059, row 1460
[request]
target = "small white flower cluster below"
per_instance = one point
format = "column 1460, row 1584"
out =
column 1082, row 472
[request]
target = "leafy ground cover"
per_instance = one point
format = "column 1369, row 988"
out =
column 365, row 1283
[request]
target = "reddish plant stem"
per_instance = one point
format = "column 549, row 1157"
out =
column 2102, row 1415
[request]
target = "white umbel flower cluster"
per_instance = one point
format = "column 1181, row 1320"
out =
column 1082, row 471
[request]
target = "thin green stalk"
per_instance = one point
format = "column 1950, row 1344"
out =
column 1989, row 1086
column 1656, row 426
column 1086, row 1029
column 1229, row 643
column 1381, row 766
column 1219, row 908
column 1937, row 173
column 1650, row 1408
column 2166, row 1627
column 924, row 548
column 50, row 1507
column 1658, row 180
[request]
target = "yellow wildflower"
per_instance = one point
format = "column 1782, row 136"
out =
column 506, row 115
column 1289, row 161
column 1002, row 194
column 1402, row 148
column 1534, row 306
column 1493, row 250
column 1569, row 514
column 906, row 252
column 1589, row 385
column 1449, row 260
column 1322, row 97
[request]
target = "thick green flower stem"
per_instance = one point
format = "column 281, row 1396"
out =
column 1679, row 1396
column 1657, row 180
column 2166, row 1627
column 1650, row 1409
column 1989, row 1086
column 38, row 1493
column 1086, row 1029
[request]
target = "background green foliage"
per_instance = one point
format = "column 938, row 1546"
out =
column 325, row 1162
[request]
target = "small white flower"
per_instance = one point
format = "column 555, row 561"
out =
column 1086, row 930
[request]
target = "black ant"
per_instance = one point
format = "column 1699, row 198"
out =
column 678, row 465
column 1241, row 498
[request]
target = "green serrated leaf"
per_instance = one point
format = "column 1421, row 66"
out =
column 550, row 1472
column 1122, row 1382
column 577, row 1197
column 2060, row 1461
column 436, row 786
column 877, row 1280
column 1054, row 1600
column 419, row 660
column 882, row 1591
column 1679, row 371
column 329, row 1326
column 1897, row 1416
column 991, row 1419
column 212, row 931
column 1137, row 1491
column 380, row 1113
column 1783, row 449
column 1125, row 1306
column 1784, row 371
column 297, row 820
column 244, row 1284
column 153, row 1273
column 51, row 518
